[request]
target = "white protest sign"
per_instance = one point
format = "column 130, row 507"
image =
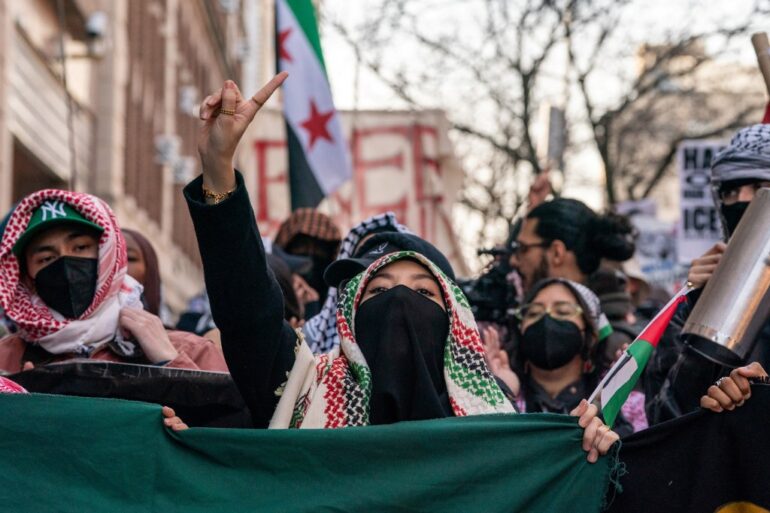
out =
column 699, row 226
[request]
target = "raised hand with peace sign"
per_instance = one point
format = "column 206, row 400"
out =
column 226, row 114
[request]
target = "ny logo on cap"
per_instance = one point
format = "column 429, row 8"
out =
column 379, row 249
column 54, row 209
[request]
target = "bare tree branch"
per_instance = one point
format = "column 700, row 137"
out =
column 496, row 80
column 665, row 163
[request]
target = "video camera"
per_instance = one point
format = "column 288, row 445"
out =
column 492, row 297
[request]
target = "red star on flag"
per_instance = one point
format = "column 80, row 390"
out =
column 282, row 52
column 316, row 125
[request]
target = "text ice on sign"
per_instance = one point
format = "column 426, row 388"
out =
column 699, row 226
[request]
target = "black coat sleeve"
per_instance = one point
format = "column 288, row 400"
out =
column 665, row 356
column 677, row 376
column 246, row 301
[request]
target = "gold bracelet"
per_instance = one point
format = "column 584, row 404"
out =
column 218, row 197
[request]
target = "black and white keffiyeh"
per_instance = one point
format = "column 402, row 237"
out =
column 746, row 157
column 321, row 330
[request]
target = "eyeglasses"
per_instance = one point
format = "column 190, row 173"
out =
column 729, row 194
column 519, row 248
column 561, row 310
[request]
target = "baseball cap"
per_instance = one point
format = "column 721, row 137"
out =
column 380, row 245
column 51, row 213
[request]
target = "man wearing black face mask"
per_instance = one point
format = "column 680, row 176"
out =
column 737, row 173
column 61, row 261
column 63, row 282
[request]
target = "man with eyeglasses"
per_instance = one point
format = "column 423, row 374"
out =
column 672, row 377
column 564, row 238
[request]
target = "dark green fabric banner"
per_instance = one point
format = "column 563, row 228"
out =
column 64, row 454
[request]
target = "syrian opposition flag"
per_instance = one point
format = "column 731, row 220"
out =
column 617, row 384
column 318, row 155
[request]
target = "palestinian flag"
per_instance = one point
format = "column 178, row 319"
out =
column 617, row 384
column 318, row 155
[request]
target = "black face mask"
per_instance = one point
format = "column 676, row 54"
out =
column 733, row 214
column 402, row 335
column 315, row 278
column 551, row 343
column 68, row 285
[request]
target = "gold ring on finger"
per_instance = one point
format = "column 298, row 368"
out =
column 227, row 112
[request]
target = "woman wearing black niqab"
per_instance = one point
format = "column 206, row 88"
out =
column 391, row 298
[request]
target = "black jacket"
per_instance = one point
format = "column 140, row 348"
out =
column 538, row 400
column 676, row 377
column 246, row 301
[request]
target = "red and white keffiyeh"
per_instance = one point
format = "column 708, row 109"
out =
column 114, row 288
column 10, row 387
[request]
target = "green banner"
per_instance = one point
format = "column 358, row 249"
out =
column 60, row 453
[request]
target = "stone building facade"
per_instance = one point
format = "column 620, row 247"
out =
column 136, row 70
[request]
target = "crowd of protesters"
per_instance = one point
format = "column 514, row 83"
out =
column 318, row 330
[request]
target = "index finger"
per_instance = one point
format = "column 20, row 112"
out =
column 494, row 337
column 131, row 313
column 579, row 409
column 708, row 259
column 268, row 89
column 588, row 415
column 489, row 338
column 716, row 249
column 741, row 382
column 128, row 319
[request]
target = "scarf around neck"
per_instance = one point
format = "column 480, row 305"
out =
column 114, row 288
column 334, row 389
column 321, row 330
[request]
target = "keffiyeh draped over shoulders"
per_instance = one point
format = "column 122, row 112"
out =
column 321, row 330
column 334, row 389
